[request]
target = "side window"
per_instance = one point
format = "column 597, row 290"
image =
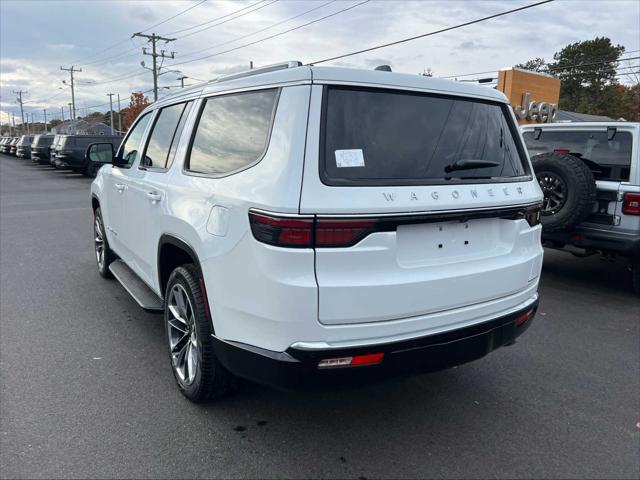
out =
column 164, row 137
column 129, row 149
column 232, row 131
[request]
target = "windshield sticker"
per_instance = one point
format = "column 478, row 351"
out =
column 349, row 158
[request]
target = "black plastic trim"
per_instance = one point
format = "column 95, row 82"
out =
column 295, row 368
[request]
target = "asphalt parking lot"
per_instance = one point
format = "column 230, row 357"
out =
column 87, row 390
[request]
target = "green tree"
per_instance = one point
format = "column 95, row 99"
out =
column 536, row 65
column 588, row 73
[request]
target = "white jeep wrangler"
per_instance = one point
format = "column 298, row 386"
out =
column 299, row 224
column 590, row 176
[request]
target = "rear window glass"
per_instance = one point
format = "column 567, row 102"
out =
column 383, row 137
column 607, row 159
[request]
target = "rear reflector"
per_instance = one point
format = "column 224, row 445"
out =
column 356, row 361
column 631, row 204
column 525, row 317
column 561, row 151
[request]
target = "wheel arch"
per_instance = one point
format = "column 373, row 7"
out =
column 95, row 203
column 173, row 252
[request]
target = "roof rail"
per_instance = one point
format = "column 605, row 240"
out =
column 258, row 71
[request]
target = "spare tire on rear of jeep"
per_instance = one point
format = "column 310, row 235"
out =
column 569, row 190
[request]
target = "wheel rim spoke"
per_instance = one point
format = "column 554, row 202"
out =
column 183, row 342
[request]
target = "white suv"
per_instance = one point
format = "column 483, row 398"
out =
column 298, row 223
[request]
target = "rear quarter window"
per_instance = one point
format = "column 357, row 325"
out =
column 232, row 132
column 387, row 137
column 607, row 159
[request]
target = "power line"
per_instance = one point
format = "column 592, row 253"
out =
column 228, row 20
column 127, row 40
column 213, row 19
column 435, row 32
column 274, row 35
column 261, row 30
column 174, row 16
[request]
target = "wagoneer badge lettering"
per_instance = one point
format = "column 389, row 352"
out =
column 456, row 194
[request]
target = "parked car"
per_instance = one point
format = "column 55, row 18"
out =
column 301, row 224
column 4, row 142
column 40, row 148
column 590, row 177
column 70, row 153
column 13, row 146
column 54, row 148
column 23, row 147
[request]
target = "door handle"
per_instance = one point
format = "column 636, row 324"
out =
column 153, row 196
column 120, row 186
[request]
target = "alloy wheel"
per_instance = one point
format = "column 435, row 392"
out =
column 183, row 337
column 554, row 190
column 99, row 242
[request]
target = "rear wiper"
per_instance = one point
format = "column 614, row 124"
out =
column 470, row 165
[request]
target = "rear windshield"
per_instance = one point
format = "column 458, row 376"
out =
column 384, row 137
column 607, row 159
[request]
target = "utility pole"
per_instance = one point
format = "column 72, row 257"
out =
column 13, row 120
column 19, row 99
column 153, row 39
column 62, row 110
column 45, row 120
column 28, row 129
column 73, row 97
column 72, row 116
column 119, row 115
column 110, row 95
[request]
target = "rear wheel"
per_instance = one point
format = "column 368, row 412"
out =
column 198, row 373
column 569, row 190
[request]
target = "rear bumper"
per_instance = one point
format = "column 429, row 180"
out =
column 296, row 368
column 602, row 240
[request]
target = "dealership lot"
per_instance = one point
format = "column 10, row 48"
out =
column 87, row 390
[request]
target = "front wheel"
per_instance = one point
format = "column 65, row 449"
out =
column 198, row 373
column 104, row 255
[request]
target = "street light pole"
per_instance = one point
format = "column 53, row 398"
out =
column 110, row 95
column 119, row 116
column 45, row 120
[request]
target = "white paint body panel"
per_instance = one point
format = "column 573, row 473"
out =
column 388, row 287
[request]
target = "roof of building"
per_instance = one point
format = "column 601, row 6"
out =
column 564, row 116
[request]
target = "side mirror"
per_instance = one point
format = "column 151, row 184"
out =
column 100, row 153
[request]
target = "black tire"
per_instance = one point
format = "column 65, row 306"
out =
column 100, row 235
column 209, row 380
column 569, row 190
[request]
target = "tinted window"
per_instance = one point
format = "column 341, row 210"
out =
column 608, row 159
column 129, row 149
column 164, row 137
column 232, row 132
column 381, row 137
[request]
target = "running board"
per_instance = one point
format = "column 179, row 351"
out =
column 139, row 290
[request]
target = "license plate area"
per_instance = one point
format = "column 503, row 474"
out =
column 449, row 242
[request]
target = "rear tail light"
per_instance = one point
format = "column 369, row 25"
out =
column 355, row 361
column 631, row 204
column 561, row 151
column 532, row 215
column 342, row 233
column 282, row 231
column 301, row 232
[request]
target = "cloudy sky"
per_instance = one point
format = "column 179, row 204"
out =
column 37, row 37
